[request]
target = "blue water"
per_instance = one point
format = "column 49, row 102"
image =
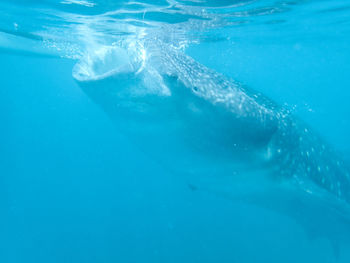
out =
column 88, row 175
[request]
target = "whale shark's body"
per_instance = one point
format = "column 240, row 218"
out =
column 222, row 136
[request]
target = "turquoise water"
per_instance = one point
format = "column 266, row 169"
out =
column 174, row 131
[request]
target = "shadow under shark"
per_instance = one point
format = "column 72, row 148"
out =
column 223, row 137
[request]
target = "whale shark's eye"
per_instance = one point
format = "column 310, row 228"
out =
column 195, row 89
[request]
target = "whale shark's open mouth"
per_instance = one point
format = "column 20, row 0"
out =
column 106, row 61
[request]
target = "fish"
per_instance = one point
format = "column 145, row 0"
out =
column 221, row 136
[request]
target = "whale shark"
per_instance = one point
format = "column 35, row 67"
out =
column 220, row 135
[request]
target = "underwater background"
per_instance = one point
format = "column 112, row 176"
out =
column 74, row 188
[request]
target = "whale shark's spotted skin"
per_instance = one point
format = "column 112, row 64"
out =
column 300, row 153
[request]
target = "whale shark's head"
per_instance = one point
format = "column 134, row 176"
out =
column 116, row 77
